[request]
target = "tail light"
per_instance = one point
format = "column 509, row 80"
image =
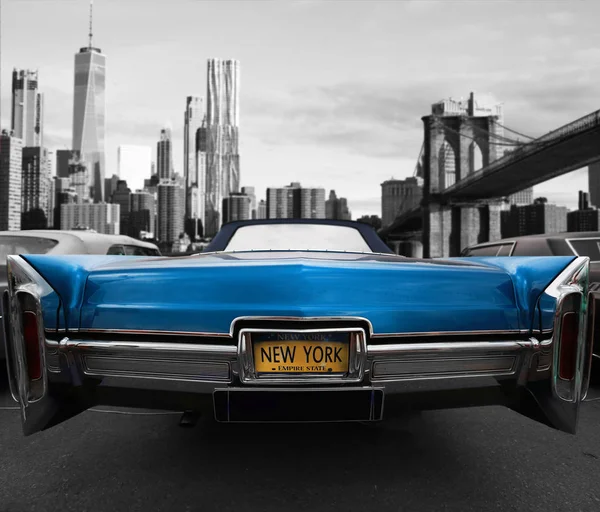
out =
column 32, row 345
column 567, row 357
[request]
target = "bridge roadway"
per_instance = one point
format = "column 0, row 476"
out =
column 559, row 152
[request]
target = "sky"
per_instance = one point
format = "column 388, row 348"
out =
column 331, row 92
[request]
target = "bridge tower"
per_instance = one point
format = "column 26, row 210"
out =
column 454, row 147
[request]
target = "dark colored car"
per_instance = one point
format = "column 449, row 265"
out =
column 562, row 244
column 65, row 242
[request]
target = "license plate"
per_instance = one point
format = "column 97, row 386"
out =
column 301, row 352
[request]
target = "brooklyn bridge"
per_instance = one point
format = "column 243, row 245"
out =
column 467, row 170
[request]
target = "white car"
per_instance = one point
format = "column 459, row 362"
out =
column 65, row 242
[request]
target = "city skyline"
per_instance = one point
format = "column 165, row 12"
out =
column 363, row 129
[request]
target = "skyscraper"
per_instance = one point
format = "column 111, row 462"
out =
column 142, row 214
column 101, row 217
column 594, row 183
column 122, row 197
column 398, row 196
column 522, row 197
column 35, row 189
column 62, row 162
column 164, row 155
column 63, row 194
column 533, row 219
column 197, row 192
column 337, row 207
column 295, row 202
column 11, row 152
column 171, row 197
column 236, row 207
column 133, row 165
column 312, row 203
column 79, row 177
column 192, row 119
column 222, row 156
column 27, row 107
column 250, row 192
column 89, row 113
column 261, row 210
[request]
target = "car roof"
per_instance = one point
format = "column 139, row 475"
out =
column 75, row 240
column 553, row 236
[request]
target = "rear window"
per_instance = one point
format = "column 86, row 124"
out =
column 136, row 250
column 297, row 237
column 505, row 250
column 589, row 247
column 24, row 245
column 132, row 250
column 488, row 250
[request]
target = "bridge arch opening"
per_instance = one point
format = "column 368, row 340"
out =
column 447, row 165
column 475, row 157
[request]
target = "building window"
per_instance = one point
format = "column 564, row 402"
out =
column 447, row 165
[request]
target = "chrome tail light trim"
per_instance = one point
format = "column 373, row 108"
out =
column 570, row 289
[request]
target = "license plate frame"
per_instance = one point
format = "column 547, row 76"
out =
column 357, row 358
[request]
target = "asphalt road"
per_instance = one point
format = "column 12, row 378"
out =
column 464, row 460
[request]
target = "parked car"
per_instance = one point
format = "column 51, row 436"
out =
column 296, row 320
column 65, row 242
column 562, row 244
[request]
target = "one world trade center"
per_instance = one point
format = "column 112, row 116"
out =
column 89, row 115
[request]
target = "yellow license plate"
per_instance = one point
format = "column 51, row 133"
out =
column 301, row 356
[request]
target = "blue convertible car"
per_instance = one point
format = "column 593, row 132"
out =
column 297, row 321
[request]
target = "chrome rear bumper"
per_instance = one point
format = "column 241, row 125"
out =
column 219, row 365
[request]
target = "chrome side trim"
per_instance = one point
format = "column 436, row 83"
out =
column 449, row 347
column 122, row 346
column 151, row 332
column 229, row 335
column 450, row 333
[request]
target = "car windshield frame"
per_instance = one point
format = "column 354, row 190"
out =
column 375, row 244
column 335, row 236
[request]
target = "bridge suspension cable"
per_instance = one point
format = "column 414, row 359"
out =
column 514, row 131
column 500, row 138
column 419, row 160
column 523, row 144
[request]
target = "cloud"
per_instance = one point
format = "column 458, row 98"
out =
column 368, row 119
column 422, row 6
column 561, row 18
column 383, row 120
